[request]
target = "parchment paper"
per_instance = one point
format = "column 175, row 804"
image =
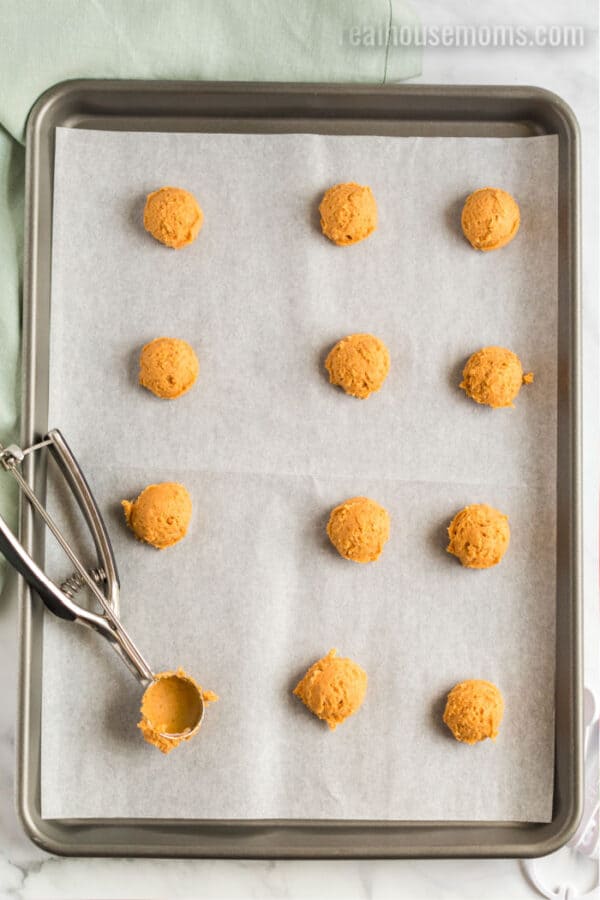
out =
column 266, row 446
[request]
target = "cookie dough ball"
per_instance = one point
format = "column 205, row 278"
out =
column 173, row 216
column 490, row 218
column 348, row 213
column 172, row 708
column 168, row 367
column 474, row 710
column 358, row 529
column 161, row 514
column 359, row 364
column 479, row 536
column 494, row 376
column 333, row 688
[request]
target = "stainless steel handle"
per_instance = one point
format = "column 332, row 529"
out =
column 63, row 607
column 55, row 599
column 76, row 480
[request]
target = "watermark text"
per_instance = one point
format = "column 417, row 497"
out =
column 413, row 35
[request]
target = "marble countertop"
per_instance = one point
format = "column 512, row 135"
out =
column 27, row 872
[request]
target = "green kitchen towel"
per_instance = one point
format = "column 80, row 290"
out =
column 12, row 166
column 47, row 41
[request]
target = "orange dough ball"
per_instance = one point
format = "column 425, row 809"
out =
column 359, row 529
column 490, row 218
column 479, row 536
column 348, row 213
column 173, row 217
column 161, row 514
column 359, row 364
column 168, row 367
column 474, row 711
column 333, row 688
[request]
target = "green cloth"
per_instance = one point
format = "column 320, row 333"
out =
column 12, row 168
column 47, row 41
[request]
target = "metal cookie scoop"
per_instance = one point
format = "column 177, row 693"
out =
column 102, row 581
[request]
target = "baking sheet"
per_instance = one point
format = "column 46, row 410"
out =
column 254, row 594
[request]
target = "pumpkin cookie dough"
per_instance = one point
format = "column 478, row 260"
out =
column 479, row 536
column 172, row 709
column 474, row 710
column 493, row 376
column 168, row 367
column 359, row 364
column 333, row 688
column 173, row 217
column 490, row 218
column 161, row 514
column 358, row 529
column 348, row 213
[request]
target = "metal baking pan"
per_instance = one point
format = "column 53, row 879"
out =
column 341, row 109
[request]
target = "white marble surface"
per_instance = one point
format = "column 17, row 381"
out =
column 27, row 872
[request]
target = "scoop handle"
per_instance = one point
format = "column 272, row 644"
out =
column 57, row 602
column 62, row 606
column 82, row 493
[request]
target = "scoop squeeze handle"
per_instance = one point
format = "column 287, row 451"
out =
column 57, row 602
column 56, row 599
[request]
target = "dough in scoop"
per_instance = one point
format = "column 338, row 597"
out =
column 493, row 376
column 479, row 536
column 172, row 705
column 168, row 367
column 490, row 218
column 348, row 213
column 474, row 710
column 161, row 514
column 333, row 688
column 359, row 364
column 358, row 529
column 173, row 217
